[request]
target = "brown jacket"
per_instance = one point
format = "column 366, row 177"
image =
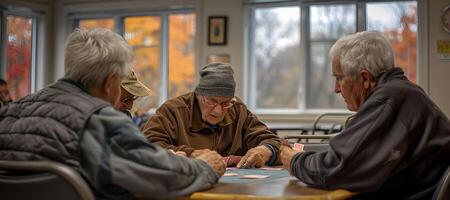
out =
column 178, row 125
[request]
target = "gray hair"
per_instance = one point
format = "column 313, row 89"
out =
column 92, row 55
column 369, row 50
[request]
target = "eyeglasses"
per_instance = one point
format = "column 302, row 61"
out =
column 130, row 98
column 212, row 104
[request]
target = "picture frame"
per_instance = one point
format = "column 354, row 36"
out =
column 217, row 30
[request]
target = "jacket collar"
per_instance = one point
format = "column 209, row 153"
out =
column 196, row 122
column 394, row 73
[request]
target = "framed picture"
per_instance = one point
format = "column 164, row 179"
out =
column 217, row 30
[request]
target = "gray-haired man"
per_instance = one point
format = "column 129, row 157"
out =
column 73, row 122
column 397, row 145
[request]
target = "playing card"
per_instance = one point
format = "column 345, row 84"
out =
column 230, row 174
column 232, row 160
column 271, row 168
column 298, row 147
column 253, row 176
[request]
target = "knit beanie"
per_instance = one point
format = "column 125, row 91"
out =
column 216, row 79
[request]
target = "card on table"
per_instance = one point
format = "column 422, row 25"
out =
column 230, row 174
column 250, row 176
column 232, row 160
column 271, row 168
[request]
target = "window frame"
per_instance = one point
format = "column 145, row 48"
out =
column 305, row 51
column 38, row 45
column 119, row 27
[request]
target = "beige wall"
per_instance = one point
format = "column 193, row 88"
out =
column 234, row 10
column 438, row 70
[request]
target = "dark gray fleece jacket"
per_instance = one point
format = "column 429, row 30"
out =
column 396, row 146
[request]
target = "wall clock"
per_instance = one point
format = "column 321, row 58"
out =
column 446, row 19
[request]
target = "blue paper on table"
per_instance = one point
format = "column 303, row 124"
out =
column 273, row 174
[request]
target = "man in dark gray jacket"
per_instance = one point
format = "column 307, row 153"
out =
column 73, row 122
column 396, row 146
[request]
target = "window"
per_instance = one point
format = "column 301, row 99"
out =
column 276, row 50
column 398, row 20
column 327, row 24
column 95, row 23
column 288, row 45
column 18, row 55
column 163, row 46
column 19, row 60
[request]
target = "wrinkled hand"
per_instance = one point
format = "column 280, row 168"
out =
column 198, row 152
column 286, row 154
column 214, row 160
column 178, row 153
column 255, row 157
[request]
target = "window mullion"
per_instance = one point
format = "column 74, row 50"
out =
column 164, row 58
column 252, row 71
column 3, row 41
column 361, row 17
column 304, row 43
column 33, row 55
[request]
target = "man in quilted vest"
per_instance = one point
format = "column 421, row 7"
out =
column 73, row 122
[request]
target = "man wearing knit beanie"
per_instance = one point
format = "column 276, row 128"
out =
column 212, row 118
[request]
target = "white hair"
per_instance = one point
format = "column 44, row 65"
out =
column 92, row 55
column 369, row 50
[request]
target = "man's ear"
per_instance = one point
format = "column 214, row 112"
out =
column 109, row 84
column 367, row 78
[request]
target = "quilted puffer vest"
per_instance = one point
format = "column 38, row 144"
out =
column 47, row 125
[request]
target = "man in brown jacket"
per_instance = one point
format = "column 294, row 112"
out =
column 212, row 118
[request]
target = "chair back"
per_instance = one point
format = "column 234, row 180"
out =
column 443, row 188
column 36, row 180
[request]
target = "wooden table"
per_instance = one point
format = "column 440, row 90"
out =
column 285, row 187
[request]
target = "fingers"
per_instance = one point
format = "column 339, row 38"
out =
column 214, row 160
column 198, row 152
column 181, row 153
column 241, row 163
column 251, row 160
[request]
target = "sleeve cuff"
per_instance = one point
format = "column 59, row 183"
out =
column 273, row 159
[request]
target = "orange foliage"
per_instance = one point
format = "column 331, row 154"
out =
column 404, row 43
column 143, row 34
column 97, row 23
column 181, row 54
column 18, row 56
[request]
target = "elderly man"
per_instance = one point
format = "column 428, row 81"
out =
column 213, row 118
column 73, row 122
column 397, row 144
column 131, row 89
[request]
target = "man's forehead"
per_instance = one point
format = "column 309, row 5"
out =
column 218, row 98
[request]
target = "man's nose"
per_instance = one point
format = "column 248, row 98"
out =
column 218, row 109
column 337, row 87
